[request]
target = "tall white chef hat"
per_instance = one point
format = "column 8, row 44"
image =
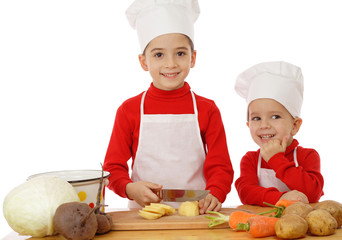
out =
column 152, row 18
column 280, row 81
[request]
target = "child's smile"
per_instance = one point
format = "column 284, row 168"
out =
column 170, row 75
column 266, row 136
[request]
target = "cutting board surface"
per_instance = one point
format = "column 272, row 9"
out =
column 130, row 220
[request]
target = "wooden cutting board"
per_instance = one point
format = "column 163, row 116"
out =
column 130, row 220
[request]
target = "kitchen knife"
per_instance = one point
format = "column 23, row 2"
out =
column 181, row 195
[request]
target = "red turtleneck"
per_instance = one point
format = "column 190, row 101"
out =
column 305, row 178
column 218, row 170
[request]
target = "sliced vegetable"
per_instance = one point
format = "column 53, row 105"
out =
column 156, row 210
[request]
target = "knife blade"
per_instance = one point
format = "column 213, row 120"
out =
column 181, row 195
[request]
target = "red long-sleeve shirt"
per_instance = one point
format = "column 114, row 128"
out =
column 217, row 168
column 305, row 178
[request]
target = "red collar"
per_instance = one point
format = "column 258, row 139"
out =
column 180, row 92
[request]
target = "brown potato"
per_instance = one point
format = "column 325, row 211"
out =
column 291, row 226
column 321, row 222
column 299, row 208
column 334, row 208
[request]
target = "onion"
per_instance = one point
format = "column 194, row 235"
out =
column 29, row 208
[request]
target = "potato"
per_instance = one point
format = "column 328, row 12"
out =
column 156, row 210
column 334, row 208
column 299, row 208
column 168, row 209
column 291, row 226
column 149, row 215
column 321, row 222
column 189, row 209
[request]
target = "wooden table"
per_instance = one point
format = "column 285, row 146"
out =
column 187, row 234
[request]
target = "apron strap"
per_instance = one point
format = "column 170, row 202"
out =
column 194, row 102
column 142, row 104
column 259, row 165
column 295, row 157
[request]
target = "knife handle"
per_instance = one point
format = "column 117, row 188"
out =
column 159, row 193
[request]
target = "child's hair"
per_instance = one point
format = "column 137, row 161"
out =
column 190, row 42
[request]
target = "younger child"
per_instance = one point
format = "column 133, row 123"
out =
column 280, row 169
column 175, row 137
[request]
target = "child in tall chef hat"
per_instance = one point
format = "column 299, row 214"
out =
column 280, row 169
column 175, row 137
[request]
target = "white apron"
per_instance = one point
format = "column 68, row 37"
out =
column 267, row 177
column 170, row 151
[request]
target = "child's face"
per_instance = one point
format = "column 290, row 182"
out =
column 268, row 119
column 168, row 58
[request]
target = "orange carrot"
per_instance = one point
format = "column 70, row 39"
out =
column 279, row 207
column 239, row 217
column 285, row 203
column 235, row 218
column 259, row 226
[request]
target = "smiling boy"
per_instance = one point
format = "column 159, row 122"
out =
column 175, row 137
column 280, row 168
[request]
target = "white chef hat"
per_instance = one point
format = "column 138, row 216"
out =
column 152, row 18
column 280, row 81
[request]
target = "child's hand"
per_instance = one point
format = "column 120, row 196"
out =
column 273, row 147
column 143, row 192
column 209, row 203
column 295, row 195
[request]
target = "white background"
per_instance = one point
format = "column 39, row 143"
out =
column 66, row 66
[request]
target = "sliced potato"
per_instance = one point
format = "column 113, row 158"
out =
column 189, row 209
column 149, row 215
column 168, row 208
column 154, row 209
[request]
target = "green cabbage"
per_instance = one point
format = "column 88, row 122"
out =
column 29, row 208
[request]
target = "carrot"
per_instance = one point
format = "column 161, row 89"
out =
column 285, row 203
column 259, row 226
column 234, row 218
column 279, row 207
column 239, row 217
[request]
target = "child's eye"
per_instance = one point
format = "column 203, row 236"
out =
column 158, row 55
column 276, row 117
column 180, row 53
column 256, row 118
